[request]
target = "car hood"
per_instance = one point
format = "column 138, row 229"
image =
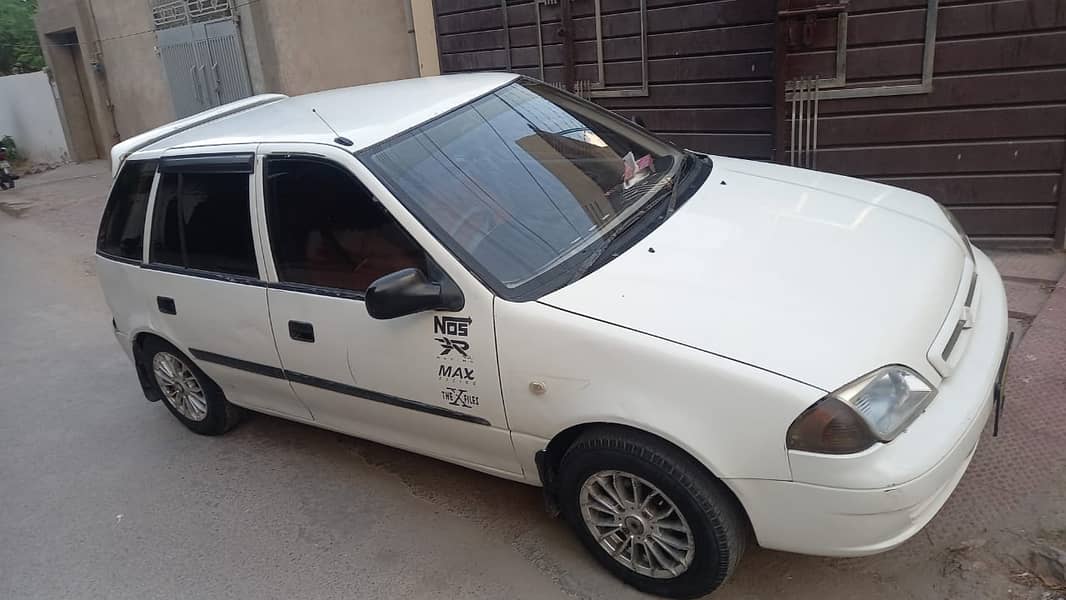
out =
column 818, row 277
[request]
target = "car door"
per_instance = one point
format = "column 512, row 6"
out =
column 427, row 382
column 202, row 278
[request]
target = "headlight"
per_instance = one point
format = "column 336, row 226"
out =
column 873, row 408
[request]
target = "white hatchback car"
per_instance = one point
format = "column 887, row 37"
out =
column 683, row 350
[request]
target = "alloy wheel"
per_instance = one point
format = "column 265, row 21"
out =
column 180, row 387
column 637, row 524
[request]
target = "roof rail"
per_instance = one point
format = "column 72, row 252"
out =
column 121, row 150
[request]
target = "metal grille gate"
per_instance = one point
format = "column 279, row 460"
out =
column 200, row 46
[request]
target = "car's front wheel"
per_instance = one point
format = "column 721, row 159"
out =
column 188, row 392
column 650, row 514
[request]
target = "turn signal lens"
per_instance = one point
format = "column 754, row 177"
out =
column 830, row 427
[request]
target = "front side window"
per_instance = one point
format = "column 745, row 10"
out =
column 202, row 221
column 327, row 230
column 523, row 180
column 122, row 227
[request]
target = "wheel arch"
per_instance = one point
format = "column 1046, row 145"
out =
column 549, row 459
column 137, row 340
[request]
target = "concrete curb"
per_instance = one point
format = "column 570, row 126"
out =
column 15, row 207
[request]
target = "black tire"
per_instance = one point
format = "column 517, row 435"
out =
column 720, row 530
column 221, row 415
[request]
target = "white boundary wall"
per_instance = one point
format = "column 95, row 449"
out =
column 28, row 114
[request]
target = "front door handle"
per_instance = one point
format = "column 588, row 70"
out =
column 302, row 332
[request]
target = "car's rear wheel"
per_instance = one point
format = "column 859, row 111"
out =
column 188, row 392
column 650, row 514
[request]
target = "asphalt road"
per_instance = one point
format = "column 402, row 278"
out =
column 104, row 495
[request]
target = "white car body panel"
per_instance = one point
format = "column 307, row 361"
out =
column 855, row 505
column 731, row 416
column 399, row 357
column 740, row 257
column 767, row 289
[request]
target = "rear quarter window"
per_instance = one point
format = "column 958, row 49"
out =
column 122, row 227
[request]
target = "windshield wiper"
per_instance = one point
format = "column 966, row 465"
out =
column 608, row 242
column 675, row 182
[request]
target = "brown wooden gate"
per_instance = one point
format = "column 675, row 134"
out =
column 701, row 73
column 961, row 100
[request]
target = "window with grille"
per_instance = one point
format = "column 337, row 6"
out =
column 175, row 13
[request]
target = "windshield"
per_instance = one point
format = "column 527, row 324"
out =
column 523, row 179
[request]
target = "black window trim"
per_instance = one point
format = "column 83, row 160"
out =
column 136, row 262
column 268, row 242
column 149, row 203
column 230, row 162
column 211, row 164
column 202, row 274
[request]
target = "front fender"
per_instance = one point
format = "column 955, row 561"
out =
column 730, row 416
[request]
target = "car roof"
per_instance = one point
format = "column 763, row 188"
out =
column 365, row 114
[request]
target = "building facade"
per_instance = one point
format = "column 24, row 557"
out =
column 959, row 99
column 963, row 100
column 124, row 66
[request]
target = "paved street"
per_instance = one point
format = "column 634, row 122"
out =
column 103, row 495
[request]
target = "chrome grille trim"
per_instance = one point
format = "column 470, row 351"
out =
column 973, row 288
column 954, row 339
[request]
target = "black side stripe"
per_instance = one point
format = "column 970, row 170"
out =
column 236, row 363
column 333, row 386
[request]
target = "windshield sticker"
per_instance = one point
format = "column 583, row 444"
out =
column 636, row 169
column 459, row 397
column 455, row 374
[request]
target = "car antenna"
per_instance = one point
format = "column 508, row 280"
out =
column 340, row 139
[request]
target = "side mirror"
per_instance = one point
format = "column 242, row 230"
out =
column 407, row 292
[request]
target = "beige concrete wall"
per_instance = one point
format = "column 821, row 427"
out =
column 110, row 90
column 64, row 29
column 132, row 69
column 291, row 46
column 426, row 37
column 334, row 43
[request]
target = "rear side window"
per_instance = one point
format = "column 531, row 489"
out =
column 202, row 221
column 327, row 230
column 122, row 228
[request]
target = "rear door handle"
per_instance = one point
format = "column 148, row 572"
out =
column 166, row 305
column 302, row 332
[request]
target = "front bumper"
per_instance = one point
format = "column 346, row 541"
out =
column 875, row 500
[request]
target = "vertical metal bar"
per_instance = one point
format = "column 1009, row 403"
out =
column 644, row 45
column 930, row 43
column 814, row 148
column 599, row 46
column 780, row 84
column 802, row 120
column 792, row 143
column 810, row 116
column 842, row 48
column 506, row 33
column 540, row 38
column 567, row 31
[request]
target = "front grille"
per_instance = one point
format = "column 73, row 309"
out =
column 964, row 322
